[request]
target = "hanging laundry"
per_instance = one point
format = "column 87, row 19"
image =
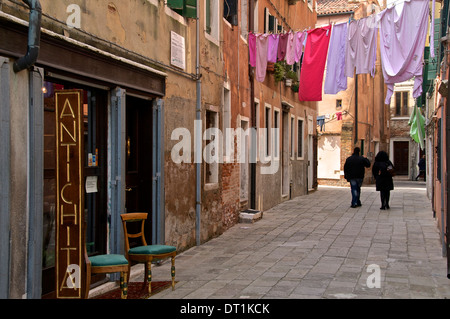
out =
column 339, row 116
column 272, row 52
column 417, row 123
column 290, row 49
column 336, row 79
column 262, row 43
column 313, row 67
column 362, row 46
column 252, row 49
column 300, row 38
column 282, row 45
column 321, row 123
column 433, row 14
column 402, row 43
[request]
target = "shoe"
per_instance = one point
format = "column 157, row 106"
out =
column 388, row 207
column 358, row 205
column 353, row 206
column 383, row 208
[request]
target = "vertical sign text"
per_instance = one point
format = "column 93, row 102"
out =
column 69, row 191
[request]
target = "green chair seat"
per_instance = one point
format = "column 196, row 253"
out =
column 152, row 250
column 108, row 260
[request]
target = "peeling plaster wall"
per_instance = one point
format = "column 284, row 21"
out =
column 140, row 30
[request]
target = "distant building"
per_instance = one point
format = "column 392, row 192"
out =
column 356, row 116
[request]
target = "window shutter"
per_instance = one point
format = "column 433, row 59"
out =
column 186, row 8
column 175, row 4
column 208, row 16
column 272, row 24
column 190, row 9
column 266, row 20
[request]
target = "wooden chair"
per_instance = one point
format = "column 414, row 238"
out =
column 146, row 253
column 106, row 264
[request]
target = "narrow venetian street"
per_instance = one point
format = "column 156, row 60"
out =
column 316, row 246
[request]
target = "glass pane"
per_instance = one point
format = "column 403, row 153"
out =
column 49, row 209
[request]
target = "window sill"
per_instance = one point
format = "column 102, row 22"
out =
column 212, row 39
column 175, row 16
column 211, row 186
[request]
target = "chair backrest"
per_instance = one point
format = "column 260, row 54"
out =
column 133, row 217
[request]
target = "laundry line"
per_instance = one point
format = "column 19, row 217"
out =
column 355, row 56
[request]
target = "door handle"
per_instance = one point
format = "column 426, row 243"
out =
column 128, row 189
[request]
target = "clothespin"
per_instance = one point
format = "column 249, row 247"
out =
column 351, row 18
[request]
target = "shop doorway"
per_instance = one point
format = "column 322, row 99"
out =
column 139, row 159
column 94, row 102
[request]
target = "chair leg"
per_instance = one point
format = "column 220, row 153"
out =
column 173, row 273
column 149, row 276
column 124, row 285
column 88, row 282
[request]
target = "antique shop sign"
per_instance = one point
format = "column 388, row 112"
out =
column 69, row 191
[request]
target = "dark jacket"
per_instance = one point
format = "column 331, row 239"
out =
column 355, row 167
column 383, row 178
column 422, row 164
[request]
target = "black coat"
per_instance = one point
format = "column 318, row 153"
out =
column 383, row 178
column 355, row 167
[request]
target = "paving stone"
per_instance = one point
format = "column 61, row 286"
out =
column 315, row 247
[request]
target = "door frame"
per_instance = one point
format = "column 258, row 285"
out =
column 391, row 151
column 117, row 176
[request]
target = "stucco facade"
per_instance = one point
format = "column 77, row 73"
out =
column 149, row 90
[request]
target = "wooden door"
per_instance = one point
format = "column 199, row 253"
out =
column 401, row 158
column 139, row 160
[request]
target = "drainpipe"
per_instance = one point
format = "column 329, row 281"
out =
column 198, row 206
column 251, row 27
column 34, row 37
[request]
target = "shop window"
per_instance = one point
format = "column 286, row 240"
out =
column 94, row 103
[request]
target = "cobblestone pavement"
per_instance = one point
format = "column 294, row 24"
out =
column 316, row 246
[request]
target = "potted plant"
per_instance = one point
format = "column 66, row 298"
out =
column 279, row 71
column 291, row 77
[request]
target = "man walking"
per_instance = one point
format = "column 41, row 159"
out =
column 422, row 169
column 354, row 170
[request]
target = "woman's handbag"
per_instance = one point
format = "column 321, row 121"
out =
column 390, row 169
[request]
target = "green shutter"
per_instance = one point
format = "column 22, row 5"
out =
column 186, row 8
column 175, row 4
column 190, row 9
column 208, row 16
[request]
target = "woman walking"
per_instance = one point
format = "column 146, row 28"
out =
column 381, row 171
